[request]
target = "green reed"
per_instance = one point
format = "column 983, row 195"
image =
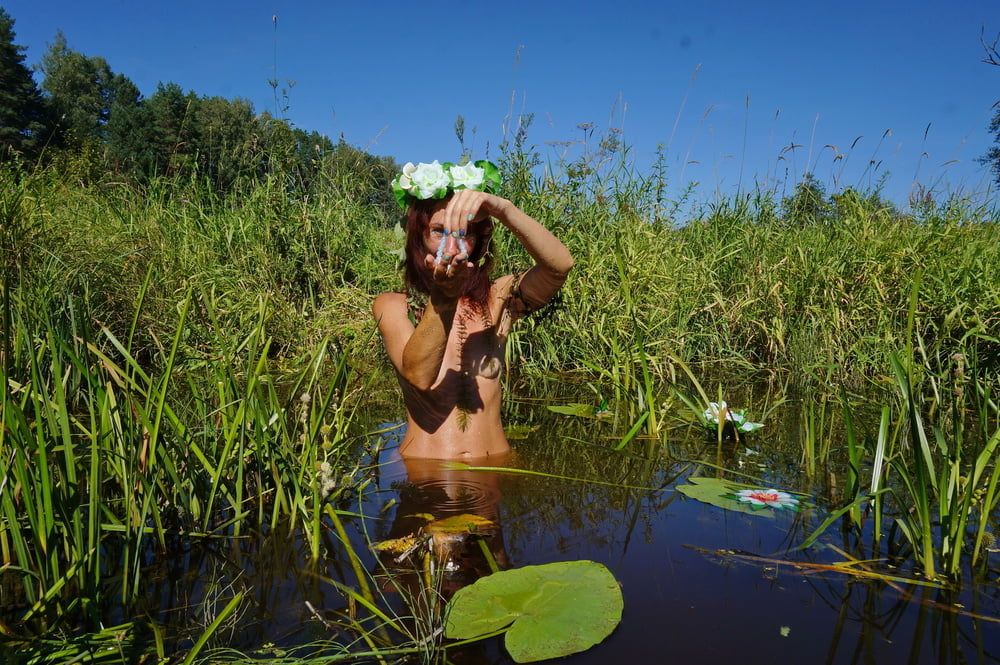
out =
column 104, row 459
column 964, row 485
column 933, row 465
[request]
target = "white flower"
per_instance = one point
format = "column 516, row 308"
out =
column 427, row 180
column 737, row 418
column 714, row 409
column 469, row 176
column 769, row 498
column 404, row 180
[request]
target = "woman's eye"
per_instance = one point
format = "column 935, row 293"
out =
column 437, row 232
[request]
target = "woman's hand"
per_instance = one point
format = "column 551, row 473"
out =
column 469, row 207
column 448, row 279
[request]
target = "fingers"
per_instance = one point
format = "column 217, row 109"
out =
column 463, row 209
column 463, row 250
column 454, row 272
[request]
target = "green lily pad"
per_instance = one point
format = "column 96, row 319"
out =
column 721, row 493
column 553, row 610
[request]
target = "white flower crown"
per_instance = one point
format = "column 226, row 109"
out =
column 435, row 180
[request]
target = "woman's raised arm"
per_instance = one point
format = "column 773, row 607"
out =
column 553, row 260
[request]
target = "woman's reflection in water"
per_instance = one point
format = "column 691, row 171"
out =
column 435, row 491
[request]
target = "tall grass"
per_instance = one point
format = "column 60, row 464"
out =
column 145, row 405
column 104, row 460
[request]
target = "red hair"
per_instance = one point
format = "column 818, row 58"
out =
column 415, row 277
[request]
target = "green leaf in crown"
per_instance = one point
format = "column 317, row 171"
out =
column 491, row 180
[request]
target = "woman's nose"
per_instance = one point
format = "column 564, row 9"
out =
column 451, row 247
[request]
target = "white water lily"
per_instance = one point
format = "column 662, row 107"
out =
column 716, row 408
column 768, row 498
column 737, row 418
column 426, row 180
column 468, row 176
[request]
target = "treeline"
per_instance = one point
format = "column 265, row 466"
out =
column 97, row 119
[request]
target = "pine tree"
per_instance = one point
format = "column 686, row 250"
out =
column 22, row 109
column 81, row 92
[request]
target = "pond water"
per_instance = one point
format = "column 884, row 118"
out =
column 700, row 584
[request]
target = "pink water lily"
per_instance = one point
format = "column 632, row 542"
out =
column 768, row 498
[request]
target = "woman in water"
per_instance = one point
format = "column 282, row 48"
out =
column 446, row 335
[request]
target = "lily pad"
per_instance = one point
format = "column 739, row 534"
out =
column 552, row 610
column 738, row 497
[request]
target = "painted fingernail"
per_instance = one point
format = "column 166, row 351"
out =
column 469, row 217
column 456, row 234
column 461, row 233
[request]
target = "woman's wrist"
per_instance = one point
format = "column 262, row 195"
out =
column 501, row 209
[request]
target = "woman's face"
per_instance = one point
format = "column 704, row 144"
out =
column 435, row 232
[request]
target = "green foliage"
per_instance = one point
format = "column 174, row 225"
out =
column 103, row 125
column 106, row 456
column 548, row 611
column 82, row 91
column 808, row 205
column 23, row 114
column 575, row 409
column 821, row 294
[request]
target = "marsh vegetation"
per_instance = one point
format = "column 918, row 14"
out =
column 187, row 370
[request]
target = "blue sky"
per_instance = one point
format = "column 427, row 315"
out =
column 392, row 77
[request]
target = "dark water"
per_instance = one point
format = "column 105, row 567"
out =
column 685, row 601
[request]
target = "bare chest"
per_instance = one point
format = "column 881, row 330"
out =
column 475, row 345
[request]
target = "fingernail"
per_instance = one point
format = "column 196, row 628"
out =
column 469, row 217
column 461, row 233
